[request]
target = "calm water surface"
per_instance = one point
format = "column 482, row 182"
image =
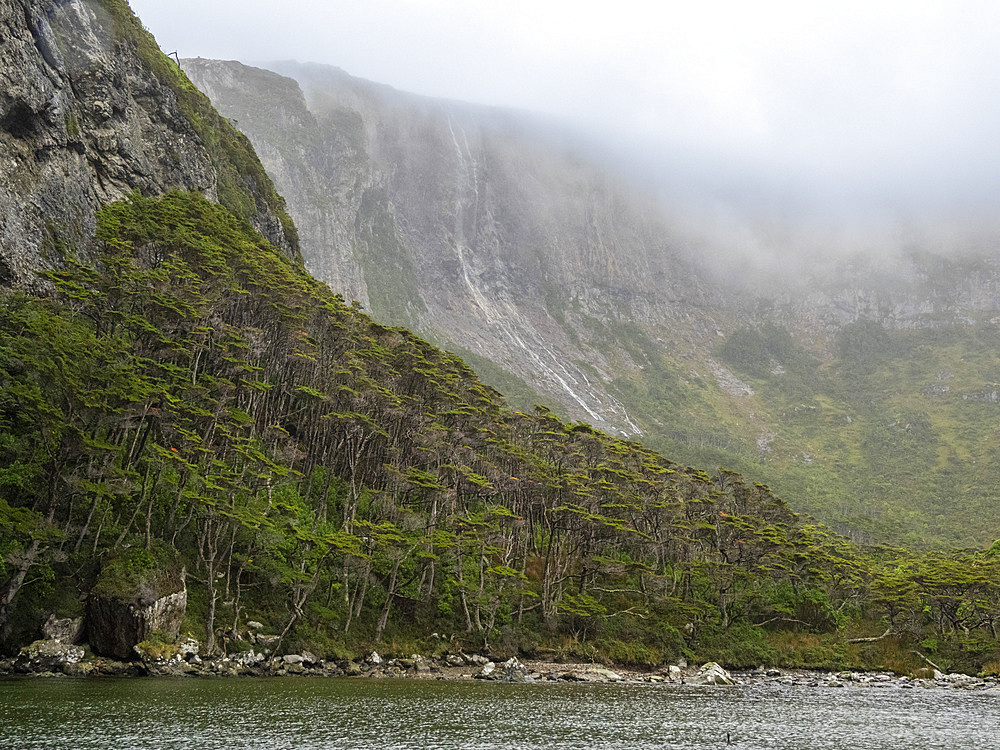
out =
column 338, row 713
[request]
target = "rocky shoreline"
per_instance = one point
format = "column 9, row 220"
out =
column 52, row 658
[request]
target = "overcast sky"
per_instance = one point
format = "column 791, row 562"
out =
column 890, row 106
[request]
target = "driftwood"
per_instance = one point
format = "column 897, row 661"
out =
column 928, row 661
column 886, row 634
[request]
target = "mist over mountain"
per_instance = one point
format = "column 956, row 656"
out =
column 778, row 134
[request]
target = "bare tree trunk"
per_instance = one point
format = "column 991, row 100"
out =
column 390, row 593
column 13, row 585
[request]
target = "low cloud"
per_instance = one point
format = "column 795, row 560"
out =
column 773, row 128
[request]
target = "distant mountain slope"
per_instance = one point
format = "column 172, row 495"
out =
column 488, row 233
column 474, row 226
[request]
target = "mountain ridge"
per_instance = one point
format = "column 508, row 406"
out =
column 91, row 110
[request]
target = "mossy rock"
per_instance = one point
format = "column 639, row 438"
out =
column 140, row 592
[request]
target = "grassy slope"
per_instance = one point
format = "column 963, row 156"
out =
column 894, row 443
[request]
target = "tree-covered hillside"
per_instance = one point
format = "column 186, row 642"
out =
column 193, row 399
column 865, row 396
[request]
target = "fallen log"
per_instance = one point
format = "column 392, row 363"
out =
column 886, row 634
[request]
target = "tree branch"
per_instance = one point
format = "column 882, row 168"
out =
column 888, row 630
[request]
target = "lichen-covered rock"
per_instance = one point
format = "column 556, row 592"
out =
column 47, row 656
column 248, row 659
column 188, row 648
column 713, row 674
column 138, row 594
column 115, row 627
column 65, row 629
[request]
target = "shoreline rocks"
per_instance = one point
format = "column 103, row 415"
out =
column 49, row 658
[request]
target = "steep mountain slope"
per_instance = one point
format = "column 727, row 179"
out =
column 476, row 227
column 492, row 235
column 90, row 110
column 191, row 425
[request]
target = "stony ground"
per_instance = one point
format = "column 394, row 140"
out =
column 53, row 658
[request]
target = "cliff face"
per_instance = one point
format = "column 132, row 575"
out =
column 90, row 110
column 486, row 232
column 477, row 227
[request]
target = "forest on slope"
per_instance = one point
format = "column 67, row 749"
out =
column 179, row 398
column 193, row 398
column 863, row 394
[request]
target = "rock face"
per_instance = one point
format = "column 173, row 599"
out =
column 66, row 629
column 89, row 112
column 473, row 226
column 115, row 625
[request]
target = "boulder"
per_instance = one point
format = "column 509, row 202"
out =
column 47, row 656
column 486, row 673
column 374, row 659
column 511, row 671
column 605, row 675
column 114, row 668
column 247, row 659
column 713, row 674
column 79, row 669
column 419, row 663
column 66, row 629
column 114, row 627
column 137, row 594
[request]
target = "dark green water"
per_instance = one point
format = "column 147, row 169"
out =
column 339, row 713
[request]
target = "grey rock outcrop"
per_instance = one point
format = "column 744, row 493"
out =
column 115, row 625
column 48, row 656
column 64, row 629
column 84, row 120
